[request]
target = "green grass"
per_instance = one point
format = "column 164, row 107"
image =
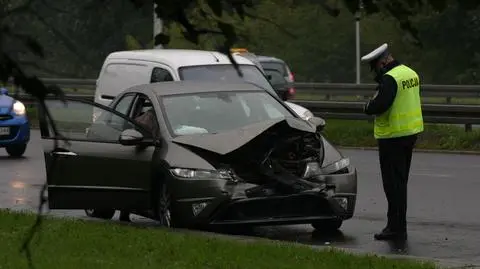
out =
column 66, row 244
column 436, row 136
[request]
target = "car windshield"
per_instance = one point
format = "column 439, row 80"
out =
column 214, row 112
column 226, row 73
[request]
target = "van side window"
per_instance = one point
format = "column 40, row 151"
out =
column 160, row 75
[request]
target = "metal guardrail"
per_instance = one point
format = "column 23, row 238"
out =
column 433, row 113
column 428, row 90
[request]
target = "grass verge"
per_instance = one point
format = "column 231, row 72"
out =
column 354, row 133
column 83, row 244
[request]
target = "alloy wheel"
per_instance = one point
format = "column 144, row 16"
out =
column 165, row 215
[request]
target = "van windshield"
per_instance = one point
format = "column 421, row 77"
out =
column 226, row 73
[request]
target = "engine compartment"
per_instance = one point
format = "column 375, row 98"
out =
column 276, row 163
column 274, row 160
column 294, row 153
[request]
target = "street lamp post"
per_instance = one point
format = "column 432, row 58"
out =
column 157, row 26
column 357, row 39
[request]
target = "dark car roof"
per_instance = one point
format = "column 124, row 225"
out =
column 182, row 87
column 270, row 59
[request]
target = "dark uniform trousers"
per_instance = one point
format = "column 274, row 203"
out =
column 395, row 158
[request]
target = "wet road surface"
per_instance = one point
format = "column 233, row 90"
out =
column 443, row 211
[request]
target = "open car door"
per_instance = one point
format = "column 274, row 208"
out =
column 92, row 169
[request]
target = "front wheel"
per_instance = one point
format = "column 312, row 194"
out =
column 16, row 150
column 164, row 213
column 328, row 225
column 100, row 213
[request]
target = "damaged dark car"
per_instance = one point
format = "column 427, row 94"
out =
column 192, row 154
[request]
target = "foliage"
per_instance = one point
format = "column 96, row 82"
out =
column 195, row 19
column 317, row 46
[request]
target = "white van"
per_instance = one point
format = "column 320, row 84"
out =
column 124, row 69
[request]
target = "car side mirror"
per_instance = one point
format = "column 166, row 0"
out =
column 318, row 122
column 130, row 137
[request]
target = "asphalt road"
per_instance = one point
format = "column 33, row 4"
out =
column 444, row 214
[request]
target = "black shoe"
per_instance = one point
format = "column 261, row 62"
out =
column 388, row 234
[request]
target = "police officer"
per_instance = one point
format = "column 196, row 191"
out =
column 398, row 120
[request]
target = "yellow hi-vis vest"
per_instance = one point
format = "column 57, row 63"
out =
column 404, row 117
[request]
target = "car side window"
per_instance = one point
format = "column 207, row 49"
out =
column 144, row 114
column 74, row 121
column 160, row 75
column 123, row 107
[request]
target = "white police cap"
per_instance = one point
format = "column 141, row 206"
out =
column 376, row 53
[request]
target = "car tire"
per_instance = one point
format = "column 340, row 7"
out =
column 16, row 150
column 100, row 213
column 328, row 225
column 164, row 213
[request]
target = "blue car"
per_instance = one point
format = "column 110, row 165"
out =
column 14, row 125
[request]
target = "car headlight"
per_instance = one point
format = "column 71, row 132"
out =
column 202, row 174
column 307, row 115
column 19, row 108
column 314, row 169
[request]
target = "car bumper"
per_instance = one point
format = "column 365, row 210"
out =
column 19, row 131
column 220, row 202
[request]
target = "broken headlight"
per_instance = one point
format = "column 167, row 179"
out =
column 202, row 174
column 314, row 169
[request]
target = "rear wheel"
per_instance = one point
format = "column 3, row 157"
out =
column 100, row 213
column 16, row 150
column 328, row 225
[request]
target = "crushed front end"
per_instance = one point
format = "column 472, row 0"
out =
column 283, row 176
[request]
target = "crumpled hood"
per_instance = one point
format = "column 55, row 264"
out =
column 226, row 142
column 6, row 103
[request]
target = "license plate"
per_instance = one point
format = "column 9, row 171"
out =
column 4, row 130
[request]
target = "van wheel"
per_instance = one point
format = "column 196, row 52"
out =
column 16, row 150
column 100, row 213
column 328, row 225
